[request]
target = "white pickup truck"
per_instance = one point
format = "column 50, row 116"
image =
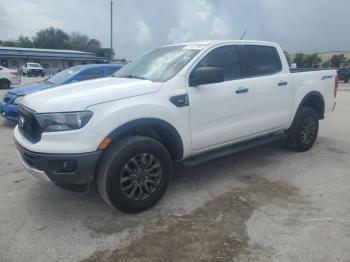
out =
column 184, row 103
column 33, row 69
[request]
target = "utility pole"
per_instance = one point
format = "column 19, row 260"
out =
column 111, row 48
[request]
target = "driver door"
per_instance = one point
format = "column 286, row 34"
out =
column 221, row 113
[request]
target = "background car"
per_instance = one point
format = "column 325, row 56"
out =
column 33, row 69
column 8, row 106
column 8, row 77
column 344, row 74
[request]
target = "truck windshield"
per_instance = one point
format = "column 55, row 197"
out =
column 34, row 65
column 62, row 76
column 161, row 64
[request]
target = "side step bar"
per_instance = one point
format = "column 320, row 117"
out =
column 229, row 150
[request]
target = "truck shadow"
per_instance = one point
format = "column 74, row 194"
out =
column 191, row 188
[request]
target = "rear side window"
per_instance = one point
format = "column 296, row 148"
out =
column 225, row 57
column 261, row 60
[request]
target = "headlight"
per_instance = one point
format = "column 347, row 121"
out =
column 18, row 100
column 64, row 121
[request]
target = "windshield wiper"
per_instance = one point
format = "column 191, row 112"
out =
column 132, row 76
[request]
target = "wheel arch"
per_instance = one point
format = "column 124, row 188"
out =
column 315, row 100
column 155, row 128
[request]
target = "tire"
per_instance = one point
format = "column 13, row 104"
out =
column 134, row 174
column 346, row 80
column 5, row 84
column 303, row 132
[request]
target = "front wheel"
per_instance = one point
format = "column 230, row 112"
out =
column 134, row 174
column 303, row 132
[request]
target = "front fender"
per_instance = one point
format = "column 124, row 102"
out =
column 112, row 117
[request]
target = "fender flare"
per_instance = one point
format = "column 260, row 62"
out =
column 307, row 96
column 153, row 122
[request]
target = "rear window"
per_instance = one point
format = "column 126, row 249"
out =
column 261, row 60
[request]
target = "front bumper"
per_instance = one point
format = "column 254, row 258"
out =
column 9, row 111
column 66, row 169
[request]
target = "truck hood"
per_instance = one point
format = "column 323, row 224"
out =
column 79, row 96
column 31, row 88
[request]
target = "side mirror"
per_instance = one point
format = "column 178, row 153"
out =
column 206, row 75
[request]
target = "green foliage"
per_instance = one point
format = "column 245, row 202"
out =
column 327, row 64
column 54, row 38
column 104, row 52
column 299, row 59
column 51, row 38
column 338, row 60
column 9, row 43
column 307, row 61
column 93, row 46
column 78, row 41
column 24, row 41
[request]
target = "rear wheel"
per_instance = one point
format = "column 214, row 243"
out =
column 134, row 174
column 303, row 133
column 5, row 84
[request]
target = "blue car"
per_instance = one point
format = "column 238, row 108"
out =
column 8, row 106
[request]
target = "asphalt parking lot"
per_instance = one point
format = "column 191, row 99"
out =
column 265, row 204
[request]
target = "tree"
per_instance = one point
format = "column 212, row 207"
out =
column 312, row 61
column 104, row 52
column 53, row 38
column 347, row 63
column 93, row 46
column 338, row 60
column 299, row 59
column 9, row 43
column 78, row 41
column 24, row 41
column 327, row 64
column 307, row 61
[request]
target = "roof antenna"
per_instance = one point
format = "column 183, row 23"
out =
column 244, row 34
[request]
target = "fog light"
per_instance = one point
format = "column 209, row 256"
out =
column 63, row 166
column 69, row 165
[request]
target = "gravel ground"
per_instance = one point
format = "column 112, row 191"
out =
column 265, row 204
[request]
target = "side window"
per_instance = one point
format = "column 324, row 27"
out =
column 227, row 58
column 90, row 74
column 261, row 60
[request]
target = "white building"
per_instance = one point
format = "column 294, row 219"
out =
column 53, row 60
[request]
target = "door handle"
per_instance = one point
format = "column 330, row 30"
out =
column 242, row 90
column 282, row 83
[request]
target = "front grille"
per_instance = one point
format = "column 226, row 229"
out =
column 28, row 124
column 7, row 99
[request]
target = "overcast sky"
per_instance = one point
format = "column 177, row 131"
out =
column 140, row 25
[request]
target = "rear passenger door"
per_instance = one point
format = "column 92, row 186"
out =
column 272, row 88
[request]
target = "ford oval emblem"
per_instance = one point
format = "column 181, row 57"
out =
column 21, row 122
